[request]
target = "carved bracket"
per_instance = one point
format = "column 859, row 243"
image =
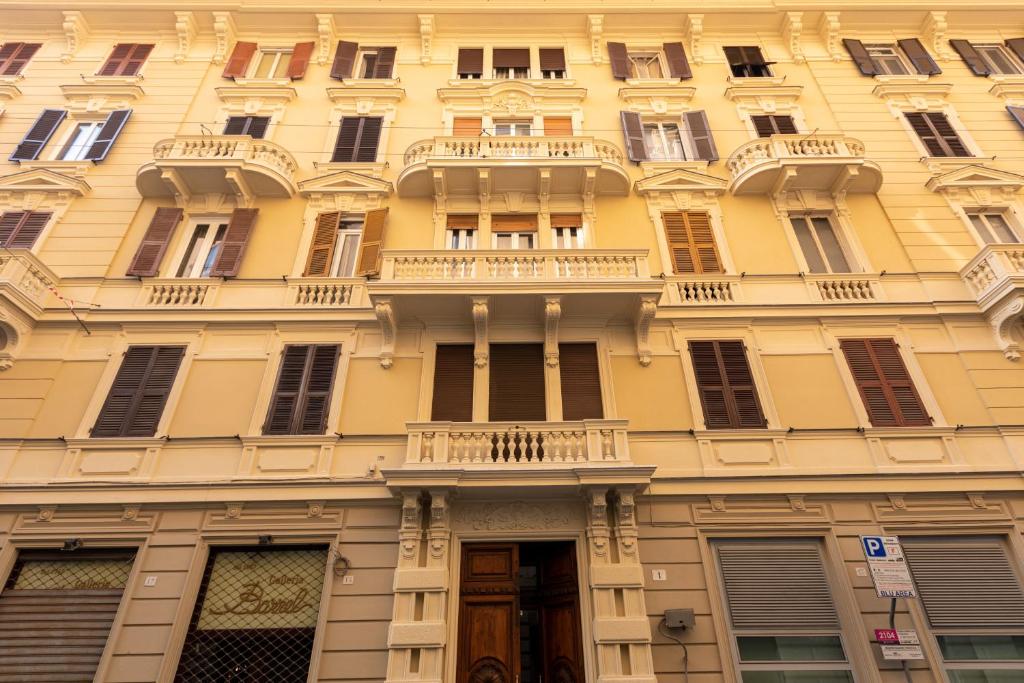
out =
column 694, row 33
column 481, row 343
column 76, row 32
column 485, row 191
column 384, row 309
column 224, row 30
column 186, row 27
column 426, row 37
column 325, row 31
column 644, row 318
column 1008, row 324
column 595, row 27
column 934, row 31
column 552, row 314
column 828, row 29
column 792, row 27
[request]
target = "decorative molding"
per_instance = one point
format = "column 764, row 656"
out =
column 828, row 30
column 1009, row 88
column 933, row 30
column 977, row 500
column 45, row 513
column 360, row 98
column 325, row 32
column 694, row 34
column 797, row 503
column 101, row 97
column 76, row 32
column 186, row 27
column 552, row 314
column 224, row 30
column 314, row 508
column 1008, row 325
column 481, row 344
column 646, row 311
column 384, row 309
column 130, row 512
column 233, row 510
column 914, row 93
column 680, row 180
column 792, row 29
column 426, row 37
column 513, row 516
column 658, row 100
column 38, row 188
column 597, row 521
column 759, row 97
column 717, row 503
column 977, row 183
column 595, row 28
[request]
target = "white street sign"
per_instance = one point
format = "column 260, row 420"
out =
column 888, row 566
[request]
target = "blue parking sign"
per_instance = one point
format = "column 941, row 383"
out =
column 873, row 546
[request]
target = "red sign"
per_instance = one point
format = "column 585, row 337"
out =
column 887, row 636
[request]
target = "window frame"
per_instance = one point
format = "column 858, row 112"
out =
column 340, row 235
column 188, row 239
column 663, row 138
column 516, row 236
column 747, row 66
column 838, row 230
column 1006, row 213
column 574, row 241
column 67, row 141
column 654, row 54
column 514, row 125
column 983, row 50
column 874, row 50
column 278, row 63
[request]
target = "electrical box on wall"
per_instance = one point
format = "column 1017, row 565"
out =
column 679, row 618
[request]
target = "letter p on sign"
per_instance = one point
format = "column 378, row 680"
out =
column 873, row 546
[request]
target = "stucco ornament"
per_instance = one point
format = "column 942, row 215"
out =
column 517, row 516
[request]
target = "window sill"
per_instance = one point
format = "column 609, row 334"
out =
column 112, row 80
column 373, row 170
column 11, row 80
column 370, row 82
column 469, row 83
column 263, row 82
column 1007, row 87
column 75, row 169
column 901, row 78
column 741, row 81
column 652, row 82
column 658, row 166
column 945, row 164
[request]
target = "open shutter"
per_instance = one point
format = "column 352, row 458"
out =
column 464, row 126
column 14, row 57
column 944, row 129
column 557, row 125
column 885, row 386
column 471, row 61
column 552, row 59
column 239, row 60
column 1017, row 113
column 699, row 130
column 9, row 222
column 139, row 392
column 453, row 383
column 152, row 396
column 619, row 59
column 929, row 138
column 1016, row 46
column 21, row 229
column 135, row 59
column 384, row 67
column 301, row 55
column 321, row 251
column 919, row 57
column 581, row 382
column 861, row 57
column 371, row 246
column 726, row 385
column 118, row 55
column 692, row 242
column 966, row 582
column 734, row 55
column 38, row 135
column 154, row 243
column 678, row 65
column 236, row 125
column 312, row 418
column 108, row 135
column 369, row 138
column 776, row 585
column 344, row 60
column 633, row 131
column 971, row 57
column 517, row 383
column 236, row 238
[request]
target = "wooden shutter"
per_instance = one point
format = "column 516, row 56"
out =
column 619, row 59
column 21, row 229
column 139, row 392
column 861, row 57
column 966, row 582
column 116, row 59
column 14, row 57
column 358, row 138
column 566, row 220
column 734, row 55
column 372, row 245
column 302, row 393
column 557, row 125
column 321, row 250
column 154, row 243
column 633, row 131
column 726, row 385
column 135, row 59
column 884, row 384
column 369, row 138
column 514, row 222
column 517, row 383
column 238, row 62
column 236, row 125
column 776, row 585
column 552, row 59
column 507, row 58
column 108, row 135
column 699, row 130
column 1016, row 46
column 385, row 65
column 767, row 125
column 691, row 242
column 581, row 382
column 919, row 57
column 453, row 383
column 471, row 60
column 464, row 126
column 236, row 239
column 344, row 60
column 38, row 135
column 749, row 55
column 937, row 134
column 1017, row 113
column 971, row 58
column 463, row 221
column 678, row 65
column 301, row 54
column 256, row 126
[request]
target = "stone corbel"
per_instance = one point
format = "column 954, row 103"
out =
column 76, row 32
column 409, row 532
column 694, row 33
column 597, row 521
column 178, row 187
column 440, row 187
column 325, row 32
column 481, row 343
column 791, row 30
column 485, row 191
column 1006, row 323
column 186, row 27
column 440, row 523
column 595, row 27
column 544, row 189
column 240, row 186
column 384, row 309
column 625, row 519
column 644, row 318
column 224, row 30
column 552, row 314
column 828, row 29
column 934, row 31
column 426, row 37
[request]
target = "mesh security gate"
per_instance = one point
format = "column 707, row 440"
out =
column 256, row 615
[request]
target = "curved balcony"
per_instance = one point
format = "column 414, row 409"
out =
column 523, row 163
column 783, row 163
column 234, row 164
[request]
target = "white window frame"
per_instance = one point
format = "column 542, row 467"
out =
column 340, row 236
column 514, row 125
column 890, row 51
column 460, row 239
column 194, row 223
column 278, row 53
column 837, row 229
column 67, row 142
column 516, row 237
column 1005, row 212
column 574, row 241
column 664, row 139
column 983, row 48
column 954, row 120
column 652, row 55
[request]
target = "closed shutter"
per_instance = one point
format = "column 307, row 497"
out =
column 463, row 221
column 919, row 57
column 38, row 135
column 471, row 61
column 726, row 385
column 633, row 132
column 511, row 58
column 884, row 384
column 255, row 126
column 691, row 242
column 619, row 59
column 776, row 585
column 966, row 582
column 453, row 383
column 971, row 58
column 236, row 125
column 21, row 229
column 108, row 135
column 937, row 134
column 139, row 392
column 1016, row 46
column 385, row 65
column 125, row 59
column 301, row 54
column 321, row 250
column 552, row 59
column 557, row 125
column 56, row 612
column 358, row 138
column 566, row 220
column 581, row 382
column 701, row 140
column 464, row 126
column 303, row 391
column 514, row 223
column 238, row 62
column 1017, row 113
column 116, row 59
column 154, row 243
column 767, row 125
column 14, row 57
column 517, row 383
column 344, row 60
column 861, row 57
column 236, row 239
column 371, row 247
column 678, row 64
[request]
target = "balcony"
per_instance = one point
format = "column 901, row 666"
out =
column 784, row 163
column 25, row 282
column 996, row 279
column 515, row 163
column 230, row 164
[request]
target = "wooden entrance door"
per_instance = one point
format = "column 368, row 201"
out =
column 489, row 614
column 560, row 615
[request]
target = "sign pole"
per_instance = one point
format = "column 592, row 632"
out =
column 892, row 627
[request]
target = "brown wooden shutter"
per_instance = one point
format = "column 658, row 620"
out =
column 566, row 220
column 557, row 125
column 464, row 126
column 38, row 135
column 633, row 131
column 699, row 130
column 767, row 125
column 471, row 61
column 726, row 385
column 321, row 250
column 1017, row 113
column 507, row 58
column 1016, row 46
column 971, row 58
column 747, row 55
column 691, row 242
column 861, row 57
column 619, row 59
column 139, row 392
column 312, row 418
column 884, row 384
column 344, row 60
column 369, row 138
column 763, row 125
column 678, row 65
column 14, row 57
column 108, row 135
column 552, row 59
column 453, row 383
column 919, row 57
column 154, row 243
column 581, row 382
column 302, row 393
column 734, row 55
column 21, row 229
column 372, row 245
column 239, row 60
column 116, row 59
column 133, row 62
column 514, row 222
column 236, row 125
column 384, row 67
column 236, row 239
column 517, row 383
column 463, row 221
column 358, row 137
column 301, row 54
column 937, row 134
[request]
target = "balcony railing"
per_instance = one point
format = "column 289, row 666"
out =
column 996, row 268
column 507, row 265
column 513, row 147
column 821, row 162
column 227, row 147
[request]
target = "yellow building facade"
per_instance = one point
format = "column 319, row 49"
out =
column 521, row 342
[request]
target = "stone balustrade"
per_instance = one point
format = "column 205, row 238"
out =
column 507, row 265
column 514, row 147
column 995, row 266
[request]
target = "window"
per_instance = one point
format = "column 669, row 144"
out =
column 302, row 394
column 514, row 231
column 511, row 62
column 21, row 229
column 513, row 126
column 985, row 59
column 256, row 126
column 686, row 138
column 470, row 63
column 337, row 240
column 350, row 231
column 819, row 244
column 213, row 248
column 87, row 141
column 517, row 383
column 906, row 56
column 663, row 141
column 202, row 250
column 890, row 59
column 552, row 62
column 691, row 242
column 885, row 386
column 376, row 62
column 81, row 141
column 645, row 64
column 999, row 59
column 581, row 382
column 271, row 63
column 937, row 134
column 358, row 137
column 781, row 612
column 726, row 385
column 747, row 62
column 14, row 57
column 767, row 125
column 461, row 231
column 453, row 383
column 137, row 397
column 993, row 227
column 126, row 59
column 567, row 231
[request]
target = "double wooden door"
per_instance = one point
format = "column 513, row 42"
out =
column 491, row 647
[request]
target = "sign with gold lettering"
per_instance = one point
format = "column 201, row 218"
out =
column 263, row 589
column 57, row 575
